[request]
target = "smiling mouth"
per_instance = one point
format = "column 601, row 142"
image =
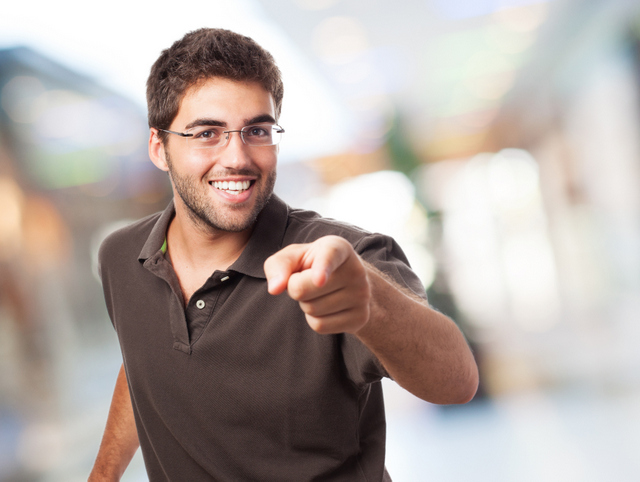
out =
column 232, row 187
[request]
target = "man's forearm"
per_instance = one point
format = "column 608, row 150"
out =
column 423, row 350
column 120, row 439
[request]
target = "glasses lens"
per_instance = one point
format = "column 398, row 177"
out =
column 204, row 137
column 262, row 135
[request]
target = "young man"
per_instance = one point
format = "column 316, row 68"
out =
column 254, row 336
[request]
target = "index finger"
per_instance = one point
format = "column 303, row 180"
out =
column 326, row 255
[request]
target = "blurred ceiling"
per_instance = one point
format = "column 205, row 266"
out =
column 441, row 68
column 435, row 77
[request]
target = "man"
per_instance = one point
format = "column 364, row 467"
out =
column 254, row 336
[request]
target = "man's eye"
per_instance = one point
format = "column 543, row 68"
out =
column 257, row 131
column 206, row 134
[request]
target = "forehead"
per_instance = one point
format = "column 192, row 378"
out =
column 224, row 100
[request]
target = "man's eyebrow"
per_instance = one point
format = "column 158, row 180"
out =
column 205, row 122
column 263, row 118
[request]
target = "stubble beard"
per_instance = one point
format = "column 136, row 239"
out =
column 204, row 214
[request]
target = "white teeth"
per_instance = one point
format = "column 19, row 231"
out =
column 232, row 186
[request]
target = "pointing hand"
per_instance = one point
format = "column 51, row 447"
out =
column 329, row 281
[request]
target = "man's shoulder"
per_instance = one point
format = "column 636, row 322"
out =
column 128, row 237
column 306, row 226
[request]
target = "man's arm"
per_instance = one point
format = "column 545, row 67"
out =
column 422, row 349
column 120, row 439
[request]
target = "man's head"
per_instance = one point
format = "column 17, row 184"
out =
column 204, row 54
column 216, row 84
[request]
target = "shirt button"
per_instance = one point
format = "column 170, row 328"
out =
column 200, row 304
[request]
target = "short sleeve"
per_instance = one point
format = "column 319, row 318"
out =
column 386, row 255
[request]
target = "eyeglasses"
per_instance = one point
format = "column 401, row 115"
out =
column 206, row 137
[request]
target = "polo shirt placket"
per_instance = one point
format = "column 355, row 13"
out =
column 202, row 306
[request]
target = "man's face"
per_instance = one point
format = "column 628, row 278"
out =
column 201, row 177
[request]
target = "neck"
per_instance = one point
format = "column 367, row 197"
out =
column 196, row 244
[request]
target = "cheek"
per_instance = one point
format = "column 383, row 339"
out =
column 268, row 160
column 192, row 166
column 189, row 174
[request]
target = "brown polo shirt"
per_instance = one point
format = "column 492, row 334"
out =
column 237, row 387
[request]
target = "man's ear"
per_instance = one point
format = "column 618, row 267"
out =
column 156, row 150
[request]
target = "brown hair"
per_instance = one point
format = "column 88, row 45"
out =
column 202, row 54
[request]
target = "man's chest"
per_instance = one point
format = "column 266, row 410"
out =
column 254, row 359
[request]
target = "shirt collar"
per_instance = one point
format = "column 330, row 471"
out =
column 265, row 240
column 158, row 234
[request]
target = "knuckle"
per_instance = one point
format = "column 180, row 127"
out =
column 321, row 327
column 308, row 308
column 314, row 323
column 295, row 291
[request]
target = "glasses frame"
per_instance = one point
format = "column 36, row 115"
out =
column 187, row 135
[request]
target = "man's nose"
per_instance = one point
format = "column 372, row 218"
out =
column 235, row 153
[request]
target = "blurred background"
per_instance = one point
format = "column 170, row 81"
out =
column 497, row 140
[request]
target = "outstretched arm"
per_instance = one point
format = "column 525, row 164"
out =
column 422, row 349
column 120, row 439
